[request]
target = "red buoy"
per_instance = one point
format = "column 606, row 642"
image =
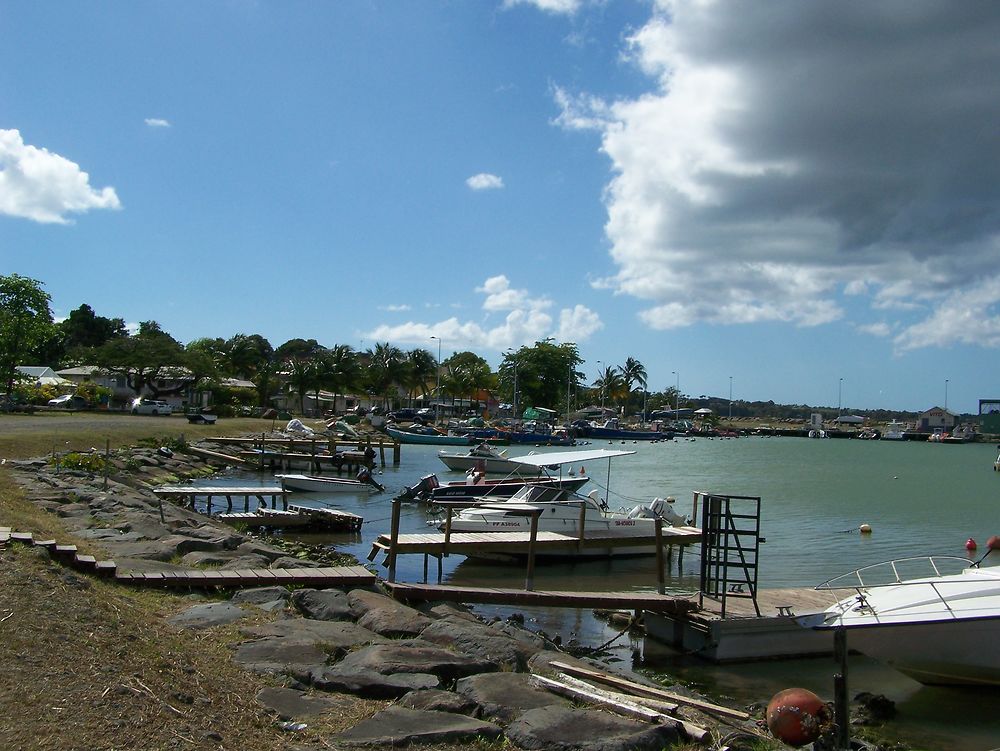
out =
column 797, row 716
column 970, row 544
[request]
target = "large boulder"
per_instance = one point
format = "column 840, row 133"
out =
column 504, row 696
column 280, row 656
column 290, row 704
column 556, row 728
column 336, row 637
column 323, row 604
column 208, row 615
column 415, row 656
column 367, row 683
column 504, row 644
column 440, row 701
column 385, row 616
column 398, row 726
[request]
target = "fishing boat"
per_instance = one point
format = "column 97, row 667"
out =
column 943, row 628
column 429, row 438
column 314, row 484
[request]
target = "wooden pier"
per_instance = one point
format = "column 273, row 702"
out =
column 187, row 494
column 639, row 601
column 298, row 517
column 352, row 452
column 742, row 634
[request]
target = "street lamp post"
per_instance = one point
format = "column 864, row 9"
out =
column 946, row 394
column 677, row 394
column 437, row 387
column 601, row 379
column 840, row 390
column 730, row 398
column 569, row 375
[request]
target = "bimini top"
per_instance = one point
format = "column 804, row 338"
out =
column 567, row 457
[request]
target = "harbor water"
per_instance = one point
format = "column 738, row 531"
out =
column 919, row 498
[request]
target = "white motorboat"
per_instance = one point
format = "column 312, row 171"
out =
column 942, row 628
column 485, row 458
column 894, row 431
column 560, row 512
column 314, row 484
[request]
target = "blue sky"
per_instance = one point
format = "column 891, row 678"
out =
column 800, row 199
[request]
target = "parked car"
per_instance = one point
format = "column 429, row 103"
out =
column 143, row 406
column 68, row 401
column 403, row 415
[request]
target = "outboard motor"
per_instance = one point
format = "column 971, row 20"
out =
column 663, row 508
column 421, row 492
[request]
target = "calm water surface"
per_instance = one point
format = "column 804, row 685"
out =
column 919, row 498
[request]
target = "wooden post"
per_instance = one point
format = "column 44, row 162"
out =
column 447, row 533
column 841, row 708
column 694, row 509
column 425, row 568
column 381, row 453
column 393, row 539
column 529, row 579
column 159, row 502
column 580, row 527
column 312, row 451
column 107, row 461
column 395, row 453
column 660, row 579
column 229, row 503
column 208, row 503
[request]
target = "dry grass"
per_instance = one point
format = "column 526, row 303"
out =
column 89, row 664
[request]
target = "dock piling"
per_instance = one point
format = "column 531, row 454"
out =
column 393, row 539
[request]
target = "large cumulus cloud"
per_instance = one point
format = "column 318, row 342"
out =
column 793, row 156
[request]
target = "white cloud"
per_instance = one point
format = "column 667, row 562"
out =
column 500, row 296
column 880, row 329
column 44, row 187
column 563, row 7
column 746, row 188
column 485, row 181
column 526, row 321
column 395, row 308
column 157, row 122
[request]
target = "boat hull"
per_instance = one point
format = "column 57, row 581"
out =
column 309, row 484
column 492, row 465
column 947, row 653
column 428, row 439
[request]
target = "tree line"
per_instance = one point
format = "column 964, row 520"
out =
column 150, row 359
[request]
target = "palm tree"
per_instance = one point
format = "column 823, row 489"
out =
column 633, row 371
column 421, row 370
column 343, row 370
column 303, row 375
column 610, row 383
column 385, row 369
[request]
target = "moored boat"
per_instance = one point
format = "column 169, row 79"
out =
column 430, row 438
column 486, row 458
column 937, row 629
column 315, row 484
column 476, row 487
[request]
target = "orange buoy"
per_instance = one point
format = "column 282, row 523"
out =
column 797, row 716
column 970, row 544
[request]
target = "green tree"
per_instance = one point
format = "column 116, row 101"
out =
column 546, row 372
column 245, row 354
column 84, row 328
column 385, row 369
column 420, row 375
column 151, row 357
column 344, row 370
column 610, row 385
column 632, row 372
column 25, row 323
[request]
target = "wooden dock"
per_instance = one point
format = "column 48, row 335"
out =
column 515, row 544
column 364, row 449
column 298, row 517
column 743, row 635
column 638, row 601
column 187, row 494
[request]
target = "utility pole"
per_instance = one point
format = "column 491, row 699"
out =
column 437, row 387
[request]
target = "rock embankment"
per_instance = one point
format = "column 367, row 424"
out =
column 450, row 676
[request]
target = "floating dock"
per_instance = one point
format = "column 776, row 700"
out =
column 187, row 495
column 743, row 635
